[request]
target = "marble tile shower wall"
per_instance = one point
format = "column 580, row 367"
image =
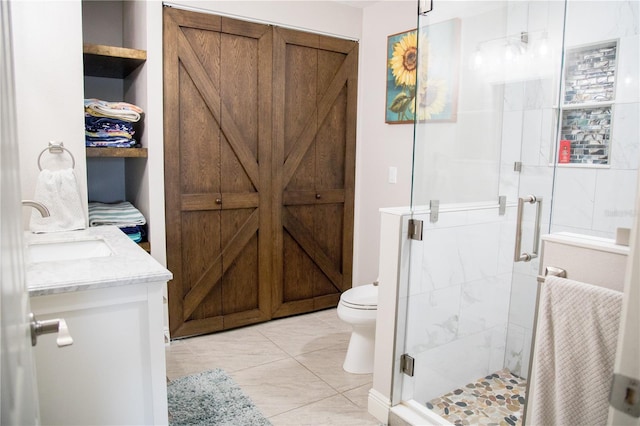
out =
column 591, row 201
column 459, row 296
column 595, row 201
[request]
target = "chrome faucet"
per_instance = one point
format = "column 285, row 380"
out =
column 44, row 211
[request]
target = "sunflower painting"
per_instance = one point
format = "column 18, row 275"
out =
column 425, row 96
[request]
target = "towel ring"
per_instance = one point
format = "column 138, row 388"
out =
column 56, row 148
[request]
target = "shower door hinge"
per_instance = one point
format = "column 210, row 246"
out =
column 406, row 364
column 415, row 229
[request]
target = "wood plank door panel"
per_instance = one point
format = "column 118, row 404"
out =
column 314, row 153
column 259, row 170
column 217, row 74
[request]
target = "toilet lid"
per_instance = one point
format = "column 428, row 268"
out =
column 362, row 295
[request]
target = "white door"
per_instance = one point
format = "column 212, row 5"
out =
column 17, row 372
column 628, row 355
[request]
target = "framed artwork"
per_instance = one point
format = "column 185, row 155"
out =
column 430, row 96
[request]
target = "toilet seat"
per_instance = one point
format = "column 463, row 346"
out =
column 363, row 297
column 360, row 307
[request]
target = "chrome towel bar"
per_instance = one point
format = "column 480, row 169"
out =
column 552, row 271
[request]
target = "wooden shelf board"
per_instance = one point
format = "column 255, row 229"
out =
column 111, row 61
column 146, row 246
column 116, row 152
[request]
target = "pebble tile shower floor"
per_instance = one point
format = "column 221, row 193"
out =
column 496, row 399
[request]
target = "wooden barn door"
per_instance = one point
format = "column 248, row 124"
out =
column 315, row 80
column 217, row 91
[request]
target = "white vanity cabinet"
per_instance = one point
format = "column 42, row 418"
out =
column 114, row 372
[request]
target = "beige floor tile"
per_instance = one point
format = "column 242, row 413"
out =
column 330, row 317
column 359, row 395
column 190, row 365
column 336, row 410
column 235, row 350
column 281, row 386
column 327, row 364
column 302, row 334
column 176, row 354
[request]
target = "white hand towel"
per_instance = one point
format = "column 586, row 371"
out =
column 58, row 191
column 575, row 348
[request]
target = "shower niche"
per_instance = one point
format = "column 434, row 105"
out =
column 588, row 103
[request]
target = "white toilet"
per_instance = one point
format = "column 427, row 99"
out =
column 359, row 306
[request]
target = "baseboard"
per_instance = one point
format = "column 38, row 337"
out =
column 379, row 406
column 167, row 336
column 412, row 413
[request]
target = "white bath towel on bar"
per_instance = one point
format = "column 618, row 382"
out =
column 58, row 191
column 575, row 348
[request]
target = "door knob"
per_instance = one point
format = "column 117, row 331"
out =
column 50, row 326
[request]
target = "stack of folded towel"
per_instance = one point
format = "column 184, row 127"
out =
column 121, row 214
column 110, row 124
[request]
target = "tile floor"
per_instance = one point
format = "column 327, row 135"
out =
column 291, row 368
column 496, row 399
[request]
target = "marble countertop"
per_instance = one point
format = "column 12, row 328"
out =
column 127, row 264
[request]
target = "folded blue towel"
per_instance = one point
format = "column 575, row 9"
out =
column 105, row 124
column 136, row 233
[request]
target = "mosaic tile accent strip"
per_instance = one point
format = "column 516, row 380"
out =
column 496, row 399
column 590, row 74
column 589, row 130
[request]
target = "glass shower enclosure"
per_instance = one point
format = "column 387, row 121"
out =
column 523, row 126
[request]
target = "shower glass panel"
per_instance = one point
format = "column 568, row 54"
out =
column 487, row 94
column 594, row 191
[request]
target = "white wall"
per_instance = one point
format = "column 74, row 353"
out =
column 319, row 16
column 47, row 40
column 379, row 145
column 628, row 351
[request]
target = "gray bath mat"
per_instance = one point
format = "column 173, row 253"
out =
column 210, row 398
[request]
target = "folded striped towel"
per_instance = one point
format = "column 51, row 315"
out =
column 120, row 214
column 120, row 110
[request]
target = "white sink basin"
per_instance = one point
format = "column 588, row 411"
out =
column 52, row 251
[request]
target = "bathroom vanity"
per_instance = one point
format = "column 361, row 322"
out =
column 109, row 292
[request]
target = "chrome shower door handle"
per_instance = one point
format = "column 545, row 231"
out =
column 518, row 255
